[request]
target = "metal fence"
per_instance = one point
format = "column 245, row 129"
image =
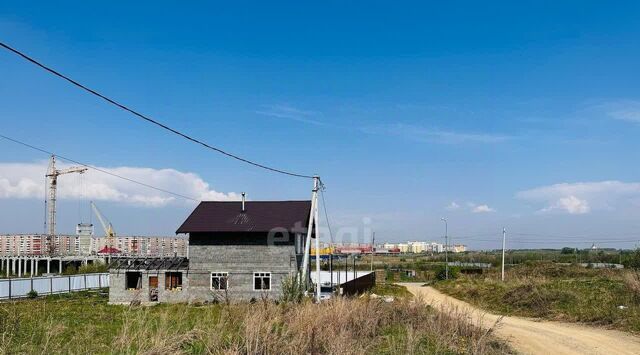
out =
column 19, row 288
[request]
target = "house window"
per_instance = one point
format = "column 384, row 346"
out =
column 262, row 281
column 173, row 281
column 133, row 280
column 219, row 280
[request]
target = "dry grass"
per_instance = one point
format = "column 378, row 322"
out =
column 559, row 292
column 86, row 324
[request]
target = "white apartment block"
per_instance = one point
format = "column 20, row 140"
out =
column 418, row 247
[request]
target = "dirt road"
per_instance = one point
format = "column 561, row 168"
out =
column 530, row 336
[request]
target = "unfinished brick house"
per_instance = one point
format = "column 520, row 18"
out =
column 237, row 251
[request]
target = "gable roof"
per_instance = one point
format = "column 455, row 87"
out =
column 259, row 216
column 109, row 250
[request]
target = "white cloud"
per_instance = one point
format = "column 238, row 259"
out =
column 422, row 134
column 583, row 197
column 624, row 110
column 26, row 180
column 452, row 206
column 571, row 204
column 482, row 209
column 470, row 206
column 290, row 112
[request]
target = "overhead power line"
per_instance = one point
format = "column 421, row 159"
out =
column 147, row 118
column 97, row 169
column 326, row 215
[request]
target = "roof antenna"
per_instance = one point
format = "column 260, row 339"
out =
column 243, row 197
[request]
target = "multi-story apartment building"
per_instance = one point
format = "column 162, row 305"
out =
column 418, row 247
column 144, row 246
column 36, row 244
column 61, row 245
column 423, row 247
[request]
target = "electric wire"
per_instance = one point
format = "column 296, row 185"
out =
column 147, row 118
column 326, row 215
column 97, row 169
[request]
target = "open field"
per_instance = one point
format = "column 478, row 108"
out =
column 557, row 292
column 534, row 336
column 85, row 323
column 427, row 265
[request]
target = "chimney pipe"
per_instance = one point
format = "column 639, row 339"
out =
column 243, row 196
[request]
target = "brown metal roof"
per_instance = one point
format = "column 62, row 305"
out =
column 259, row 216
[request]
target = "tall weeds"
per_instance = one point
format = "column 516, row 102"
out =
column 339, row 326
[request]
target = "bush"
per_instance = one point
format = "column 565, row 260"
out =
column 441, row 272
column 70, row 270
column 93, row 268
column 634, row 260
column 32, row 294
column 535, row 298
column 292, row 290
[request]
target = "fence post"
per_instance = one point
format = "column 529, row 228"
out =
column 85, row 282
column 9, row 288
column 99, row 281
column 50, row 285
column 69, row 278
column 31, row 281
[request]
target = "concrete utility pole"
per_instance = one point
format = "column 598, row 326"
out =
column 446, row 248
column 313, row 221
column 316, row 183
column 373, row 243
column 504, row 241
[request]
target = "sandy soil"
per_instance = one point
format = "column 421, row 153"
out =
column 531, row 336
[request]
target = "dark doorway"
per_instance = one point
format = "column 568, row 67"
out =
column 153, row 288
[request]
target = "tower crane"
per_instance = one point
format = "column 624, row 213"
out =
column 109, row 232
column 52, row 175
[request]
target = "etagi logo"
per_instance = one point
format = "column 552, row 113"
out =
column 355, row 234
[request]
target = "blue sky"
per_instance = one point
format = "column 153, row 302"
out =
column 519, row 115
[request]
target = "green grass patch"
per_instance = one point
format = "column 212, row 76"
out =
column 391, row 290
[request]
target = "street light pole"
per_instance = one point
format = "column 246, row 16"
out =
column 504, row 239
column 446, row 248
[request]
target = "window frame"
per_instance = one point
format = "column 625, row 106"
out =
column 138, row 283
column 219, row 275
column 262, row 275
column 167, row 280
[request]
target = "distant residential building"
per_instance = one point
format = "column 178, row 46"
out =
column 436, row 247
column 418, row 247
column 143, row 246
column 84, row 244
column 22, row 244
column 389, row 246
column 415, row 247
column 404, row 247
column 459, row 248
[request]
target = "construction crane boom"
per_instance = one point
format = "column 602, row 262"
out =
column 109, row 232
column 52, row 175
column 106, row 225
